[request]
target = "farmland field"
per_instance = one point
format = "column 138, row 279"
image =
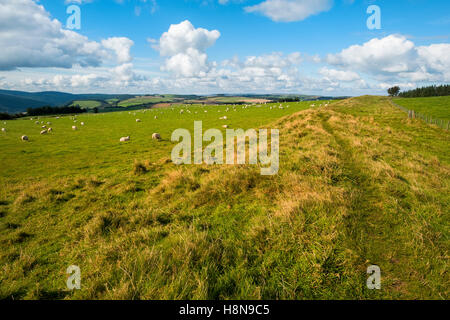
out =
column 143, row 100
column 87, row 104
column 359, row 184
column 438, row 107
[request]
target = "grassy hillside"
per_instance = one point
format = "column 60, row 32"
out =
column 13, row 104
column 87, row 104
column 143, row 100
column 359, row 184
column 438, row 107
column 18, row 101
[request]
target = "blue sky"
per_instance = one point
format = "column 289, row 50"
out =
column 254, row 46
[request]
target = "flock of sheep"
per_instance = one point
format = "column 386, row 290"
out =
column 156, row 136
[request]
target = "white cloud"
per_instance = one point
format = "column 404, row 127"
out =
column 290, row 10
column 29, row 38
column 333, row 74
column 185, row 49
column 396, row 57
column 121, row 47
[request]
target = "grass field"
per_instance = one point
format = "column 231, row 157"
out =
column 87, row 104
column 238, row 100
column 359, row 184
column 143, row 100
column 112, row 101
column 438, row 107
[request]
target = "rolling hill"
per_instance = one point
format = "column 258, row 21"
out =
column 18, row 101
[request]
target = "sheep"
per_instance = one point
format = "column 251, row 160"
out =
column 225, row 126
column 49, row 123
column 43, row 131
column 49, row 130
column 125, row 139
column 3, row 130
column 156, row 136
column 156, row 117
column 138, row 120
column 82, row 123
column 24, row 138
column 224, row 118
column 43, row 127
column 74, row 128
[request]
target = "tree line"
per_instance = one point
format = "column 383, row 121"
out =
column 44, row 111
column 430, row 91
column 48, row 110
column 289, row 99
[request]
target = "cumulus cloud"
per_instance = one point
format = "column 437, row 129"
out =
column 340, row 75
column 29, row 38
column 290, row 10
column 121, row 46
column 185, row 49
column 395, row 56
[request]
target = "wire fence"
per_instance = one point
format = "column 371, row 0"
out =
column 444, row 124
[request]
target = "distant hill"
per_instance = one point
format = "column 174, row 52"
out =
column 14, row 104
column 18, row 101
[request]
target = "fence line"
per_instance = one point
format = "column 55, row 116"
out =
column 444, row 124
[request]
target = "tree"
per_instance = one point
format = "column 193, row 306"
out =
column 394, row 91
column 431, row 91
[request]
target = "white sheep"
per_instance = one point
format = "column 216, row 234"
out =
column 156, row 136
column 74, row 128
column 3, row 130
column 125, row 139
column 43, row 131
column 138, row 120
column 82, row 123
column 49, row 130
column 24, row 138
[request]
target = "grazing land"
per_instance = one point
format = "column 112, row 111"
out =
column 359, row 184
column 437, row 107
column 87, row 104
column 143, row 100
